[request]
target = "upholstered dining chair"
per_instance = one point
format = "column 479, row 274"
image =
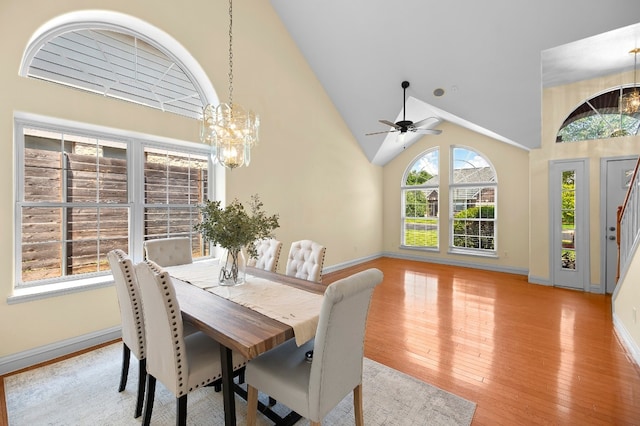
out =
column 314, row 388
column 268, row 254
column 133, row 337
column 305, row 260
column 181, row 363
column 169, row 251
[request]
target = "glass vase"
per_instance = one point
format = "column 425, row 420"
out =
column 233, row 268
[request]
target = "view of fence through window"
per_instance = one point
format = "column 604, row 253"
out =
column 76, row 207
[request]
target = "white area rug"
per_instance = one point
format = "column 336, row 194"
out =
column 83, row 391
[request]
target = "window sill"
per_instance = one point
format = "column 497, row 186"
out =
column 28, row 294
column 417, row 248
column 475, row 253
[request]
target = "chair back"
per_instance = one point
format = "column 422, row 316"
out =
column 166, row 352
column 338, row 351
column 129, row 302
column 268, row 254
column 305, row 260
column 169, row 251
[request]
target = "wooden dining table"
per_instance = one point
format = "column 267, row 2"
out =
column 236, row 327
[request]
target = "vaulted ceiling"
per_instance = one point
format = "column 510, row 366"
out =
column 490, row 59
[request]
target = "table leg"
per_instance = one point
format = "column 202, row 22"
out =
column 226, row 359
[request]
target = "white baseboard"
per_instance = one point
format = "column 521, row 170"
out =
column 57, row 349
column 339, row 266
column 627, row 341
column 453, row 262
column 539, row 280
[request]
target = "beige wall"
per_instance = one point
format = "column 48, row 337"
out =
column 557, row 104
column 626, row 307
column 511, row 164
column 307, row 167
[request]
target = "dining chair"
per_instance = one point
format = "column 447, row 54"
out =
column 305, row 260
column 133, row 336
column 181, row 363
column 268, row 254
column 313, row 385
column 169, row 251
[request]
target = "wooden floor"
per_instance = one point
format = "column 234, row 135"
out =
column 525, row 354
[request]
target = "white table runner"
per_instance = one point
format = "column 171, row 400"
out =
column 295, row 307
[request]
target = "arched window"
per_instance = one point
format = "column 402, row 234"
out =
column 473, row 199
column 118, row 56
column 420, row 208
column 599, row 118
column 82, row 189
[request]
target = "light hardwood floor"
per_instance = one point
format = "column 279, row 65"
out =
column 525, row 353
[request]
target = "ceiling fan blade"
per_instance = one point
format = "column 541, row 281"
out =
column 427, row 131
column 389, row 123
column 421, row 122
column 379, row 133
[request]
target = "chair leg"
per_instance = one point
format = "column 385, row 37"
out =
column 148, row 405
column 126, row 352
column 357, row 405
column 252, row 405
column 241, row 375
column 142, row 378
column 181, row 416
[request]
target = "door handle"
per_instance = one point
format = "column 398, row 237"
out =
column 611, row 237
column 612, row 228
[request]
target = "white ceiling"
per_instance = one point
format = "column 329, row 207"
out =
column 490, row 57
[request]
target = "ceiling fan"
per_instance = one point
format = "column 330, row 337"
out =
column 405, row 125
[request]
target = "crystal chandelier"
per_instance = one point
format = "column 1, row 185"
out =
column 228, row 128
column 630, row 101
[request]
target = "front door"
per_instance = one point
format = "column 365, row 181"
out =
column 569, row 219
column 617, row 173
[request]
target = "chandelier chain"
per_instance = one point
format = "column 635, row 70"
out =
column 635, row 65
column 230, row 52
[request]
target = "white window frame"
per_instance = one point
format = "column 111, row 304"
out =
column 403, row 190
column 135, row 154
column 482, row 185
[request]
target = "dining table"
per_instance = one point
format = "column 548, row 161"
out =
column 243, row 327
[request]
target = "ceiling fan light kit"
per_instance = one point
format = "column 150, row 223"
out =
column 403, row 126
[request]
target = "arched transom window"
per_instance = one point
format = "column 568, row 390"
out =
column 599, row 118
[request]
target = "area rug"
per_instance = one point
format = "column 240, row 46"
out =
column 83, row 391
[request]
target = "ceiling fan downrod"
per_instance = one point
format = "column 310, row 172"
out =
column 404, row 124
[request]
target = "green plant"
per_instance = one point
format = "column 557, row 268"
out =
column 233, row 227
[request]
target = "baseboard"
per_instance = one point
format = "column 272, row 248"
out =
column 627, row 341
column 453, row 262
column 343, row 265
column 539, row 280
column 54, row 350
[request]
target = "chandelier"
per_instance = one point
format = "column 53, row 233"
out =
column 230, row 129
column 630, row 101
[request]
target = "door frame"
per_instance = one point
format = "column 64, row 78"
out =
column 604, row 164
column 581, row 165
